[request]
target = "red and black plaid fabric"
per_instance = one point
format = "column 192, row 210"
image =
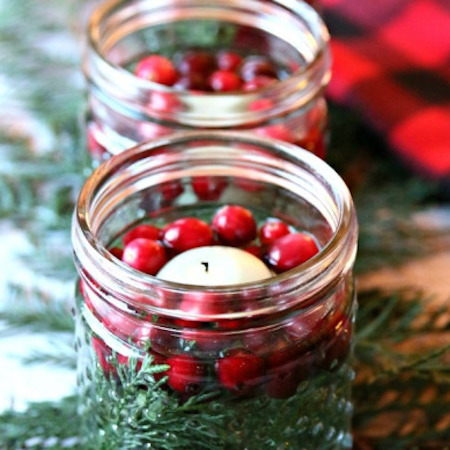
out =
column 392, row 65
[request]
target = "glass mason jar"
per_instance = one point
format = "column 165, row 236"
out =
column 258, row 364
column 124, row 109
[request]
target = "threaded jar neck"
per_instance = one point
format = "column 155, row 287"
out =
column 112, row 198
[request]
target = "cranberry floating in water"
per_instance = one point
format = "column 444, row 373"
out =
column 224, row 81
column 171, row 190
column 234, row 225
column 186, row 233
column 228, row 60
column 158, row 69
column 146, row 255
column 116, row 251
column 197, row 62
column 272, row 230
column 193, row 81
column 254, row 250
column 258, row 82
column 208, row 188
column 142, row 231
column 257, row 66
column 290, row 251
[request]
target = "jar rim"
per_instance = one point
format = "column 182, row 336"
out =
column 322, row 265
column 293, row 92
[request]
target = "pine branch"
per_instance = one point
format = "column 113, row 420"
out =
column 42, row 425
column 401, row 391
column 32, row 311
column 61, row 356
column 406, row 388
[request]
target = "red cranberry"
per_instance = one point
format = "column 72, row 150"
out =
column 278, row 131
column 314, row 142
column 255, row 250
column 227, row 60
column 192, row 81
column 290, row 251
column 272, row 230
column 308, row 326
column 157, row 339
column 149, row 130
column 258, row 82
column 240, row 370
column 231, row 324
column 204, row 304
column 185, row 323
column 96, row 150
column 162, row 340
column 260, row 104
column 146, row 255
column 286, row 370
column 167, row 102
column 117, row 322
column 158, row 69
column 249, row 185
column 224, row 81
column 336, row 346
column 116, row 252
column 171, row 190
column 82, row 287
column 103, row 353
column 186, row 233
column 208, row 188
column 257, row 66
column 197, row 62
column 142, row 231
column 206, row 341
column 264, row 342
column 186, row 374
column 234, row 225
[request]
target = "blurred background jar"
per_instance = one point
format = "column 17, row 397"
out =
column 154, row 67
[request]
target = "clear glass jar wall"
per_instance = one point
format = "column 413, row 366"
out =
column 284, row 101
column 150, row 369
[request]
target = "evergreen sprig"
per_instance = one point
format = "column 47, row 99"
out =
column 42, row 425
column 402, row 384
column 392, row 384
column 143, row 413
column 35, row 311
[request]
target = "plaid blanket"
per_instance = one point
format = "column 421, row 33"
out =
column 392, row 65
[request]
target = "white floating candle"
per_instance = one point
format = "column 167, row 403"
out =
column 214, row 266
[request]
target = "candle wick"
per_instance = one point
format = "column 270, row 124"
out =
column 206, row 264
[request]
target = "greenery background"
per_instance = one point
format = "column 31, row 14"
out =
column 399, row 383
